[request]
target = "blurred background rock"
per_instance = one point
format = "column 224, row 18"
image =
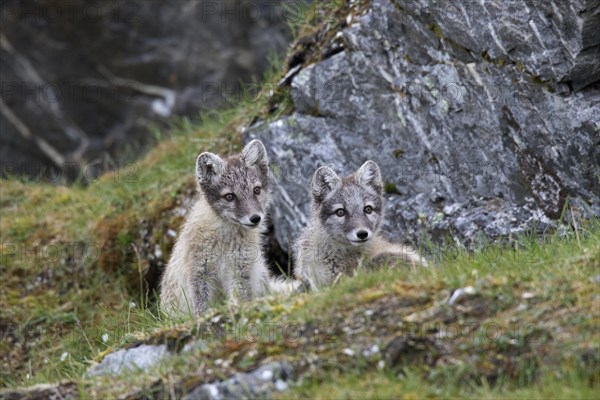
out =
column 83, row 82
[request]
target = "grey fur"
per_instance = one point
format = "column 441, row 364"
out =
column 332, row 244
column 219, row 250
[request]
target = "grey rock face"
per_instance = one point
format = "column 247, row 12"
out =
column 483, row 120
column 557, row 41
column 260, row 383
column 84, row 79
column 141, row 357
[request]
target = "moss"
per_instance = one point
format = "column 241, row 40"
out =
column 548, row 85
column 390, row 188
column 435, row 28
column 398, row 153
column 317, row 30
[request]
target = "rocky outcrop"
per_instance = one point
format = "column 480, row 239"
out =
column 264, row 380
column 260, row 383
column 141, row 357
column 81, row 80
column 484, row 116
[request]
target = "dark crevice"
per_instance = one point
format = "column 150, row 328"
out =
column 278, row 260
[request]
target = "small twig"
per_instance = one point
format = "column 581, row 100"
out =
column 141, row 275
column 85, row 337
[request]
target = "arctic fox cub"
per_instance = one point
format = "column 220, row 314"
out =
column 344, row 228
column 219, row 251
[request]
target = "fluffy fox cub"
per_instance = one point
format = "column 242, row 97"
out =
column 219, row 250
column 344, row 228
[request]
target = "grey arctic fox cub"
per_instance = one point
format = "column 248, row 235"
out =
column 344, row 228
column 218, row 253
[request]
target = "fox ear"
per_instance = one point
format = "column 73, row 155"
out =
column 369, row 175
column 209, row 168
column 255, row 154
column 324, row 182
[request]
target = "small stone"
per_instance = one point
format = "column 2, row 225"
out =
column 371, row 351
column 348, row 352
column 141, row 357
column 171, row 233
column 212, row 390
column 527, row 295
column 280, row 385
column 266, row 375
column 157, row 251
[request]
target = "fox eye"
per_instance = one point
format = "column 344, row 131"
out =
column 368, row 209
column 257, row 190
column 229, row 196
column 340, row 212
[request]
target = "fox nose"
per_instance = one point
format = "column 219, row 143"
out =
column 255, row 219
column 362, row 235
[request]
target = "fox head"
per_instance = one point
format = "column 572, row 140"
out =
column 237, row 188
column 349, row 209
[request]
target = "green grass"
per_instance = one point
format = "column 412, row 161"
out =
column 537, row 334
column 559, row 281
column 71, row 253
column 410, row 385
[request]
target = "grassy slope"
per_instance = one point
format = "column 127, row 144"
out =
column 55, row 310
column 67, row 252
column 529, row 329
